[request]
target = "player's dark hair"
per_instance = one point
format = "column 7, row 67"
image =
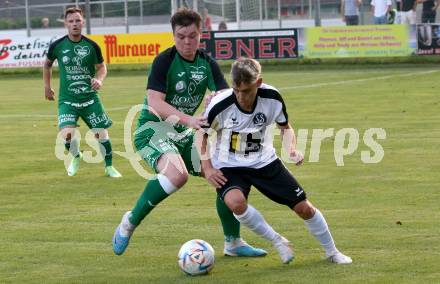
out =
column 73, row 10
column 245, row 70
column 185, row 17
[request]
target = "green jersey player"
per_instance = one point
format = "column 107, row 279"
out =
column 82, row 71
column 177, row 83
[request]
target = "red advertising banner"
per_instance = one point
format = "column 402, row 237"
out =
column 258, row 44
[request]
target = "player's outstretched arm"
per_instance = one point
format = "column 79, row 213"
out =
column 289, row 144
column 158, row 106
column 101, row 73
column 49, row 93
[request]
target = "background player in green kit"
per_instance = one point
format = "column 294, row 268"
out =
column 82, row 71
column 177, row 83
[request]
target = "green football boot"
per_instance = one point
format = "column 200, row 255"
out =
column 74, row 165
column 110, row 171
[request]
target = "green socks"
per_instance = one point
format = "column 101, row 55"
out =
column 231, row 226
column 107, row 152
column 153, row 194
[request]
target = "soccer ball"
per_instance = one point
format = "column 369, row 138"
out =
column 196, row 257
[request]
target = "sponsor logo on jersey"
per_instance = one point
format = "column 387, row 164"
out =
column 198, row 74
column 81, row 51
column 66, row 117
column 78, row 77
column 233, row 119
column 192, row 88
column 77, row 60
column 299, row 191
column 259, row 119
column 186, row 102
column 180, row 86
column 95, row 120
column 78, row 87
column 180, row 74
column 77, row 70
column 65, row 51
column 78, row 105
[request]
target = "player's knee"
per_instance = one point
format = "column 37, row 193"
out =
column 172, row 166
column 236, row 201
column 102, row 134
column 67, row 133
column 304, row 209
column 68, row 137
column 179, row 179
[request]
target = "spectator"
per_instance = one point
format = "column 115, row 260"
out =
column 408, row 12
column 380, row 9
column 350, row 11
column 45, row 22
column 222, row 26
column 206, row 20
column 391, row 16
column 429, row 10
column 398, row 19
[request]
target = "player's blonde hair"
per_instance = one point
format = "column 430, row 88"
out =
column 245, row 70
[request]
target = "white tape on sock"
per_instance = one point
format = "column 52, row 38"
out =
column 166, row 184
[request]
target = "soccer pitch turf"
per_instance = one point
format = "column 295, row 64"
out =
column 58, row 229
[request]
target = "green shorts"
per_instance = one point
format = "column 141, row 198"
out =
column 92, row 112
column 156, row 138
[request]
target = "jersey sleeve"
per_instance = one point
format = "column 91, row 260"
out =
column 213, row 120
column 157, row 80
column 51, row 53
column 99, row 58
column 281, row 118
column 217, row 81
column 215, row 111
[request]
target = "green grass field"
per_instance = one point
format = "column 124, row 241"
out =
column 56, row 229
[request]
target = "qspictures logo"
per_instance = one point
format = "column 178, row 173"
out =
column 346, row 142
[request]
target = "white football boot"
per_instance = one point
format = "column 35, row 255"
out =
column 340, row 258
column 284, row 249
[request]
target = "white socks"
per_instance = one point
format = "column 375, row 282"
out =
column 126, row 228
column 252, row 219
column 318, row 227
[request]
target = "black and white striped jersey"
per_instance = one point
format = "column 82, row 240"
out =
column 244, row 139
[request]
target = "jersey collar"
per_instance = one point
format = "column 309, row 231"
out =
column 253, row 107
column 189, row 61
column 74, row 41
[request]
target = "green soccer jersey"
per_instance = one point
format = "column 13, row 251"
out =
column 184, row 82
column 76, row 61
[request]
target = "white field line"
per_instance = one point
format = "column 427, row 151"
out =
column 283, row 88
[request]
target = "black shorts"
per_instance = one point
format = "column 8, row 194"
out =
column 274, row 180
